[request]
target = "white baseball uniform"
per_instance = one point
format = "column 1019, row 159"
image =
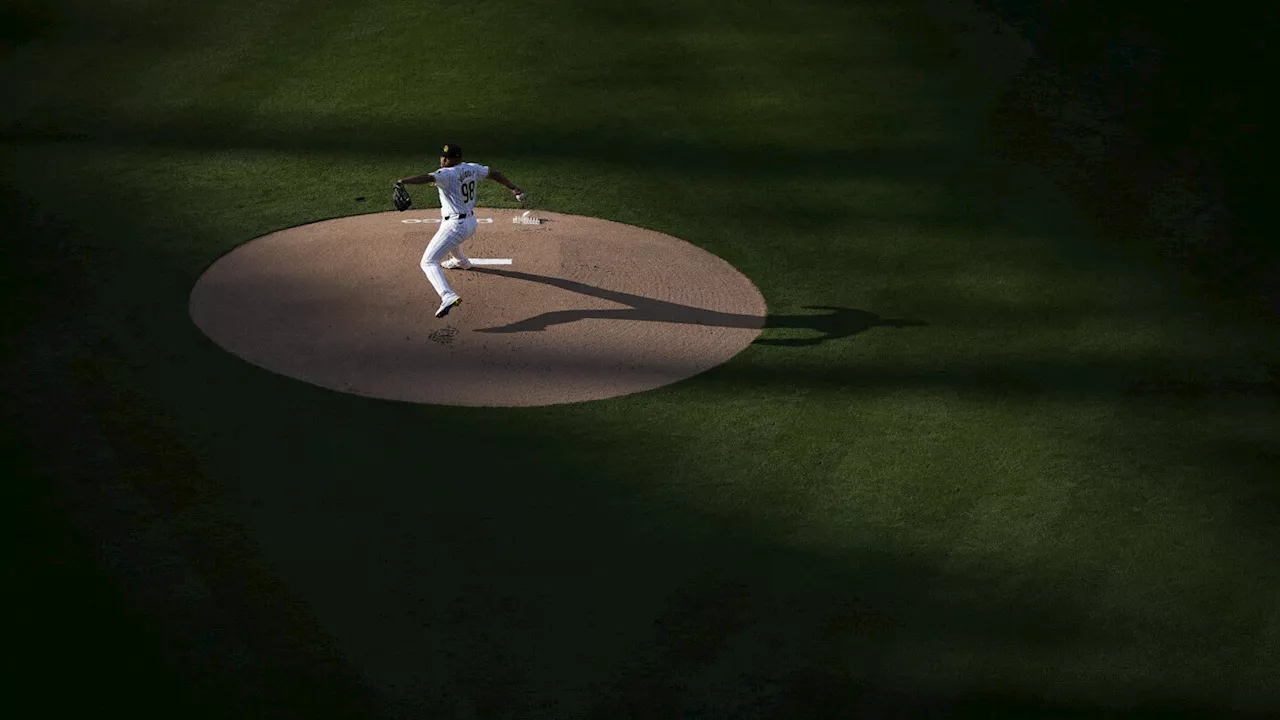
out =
column 457, row 186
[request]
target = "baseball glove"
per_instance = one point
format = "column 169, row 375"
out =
column 400, row 197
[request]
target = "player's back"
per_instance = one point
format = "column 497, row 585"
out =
column 457, row 186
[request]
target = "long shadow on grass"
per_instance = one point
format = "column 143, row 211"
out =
column 834, row 324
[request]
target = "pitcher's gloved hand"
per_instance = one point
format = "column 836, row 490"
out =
column 400, row 197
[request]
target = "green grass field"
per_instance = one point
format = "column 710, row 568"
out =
column 1055, row 496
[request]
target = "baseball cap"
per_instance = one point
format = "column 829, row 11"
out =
column 451, row 151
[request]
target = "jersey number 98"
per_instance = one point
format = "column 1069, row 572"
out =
column 469, row 191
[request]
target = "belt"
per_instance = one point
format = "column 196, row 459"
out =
column 462, row 216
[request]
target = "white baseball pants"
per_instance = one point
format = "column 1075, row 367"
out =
column 448, row 240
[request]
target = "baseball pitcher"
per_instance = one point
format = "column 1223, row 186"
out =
column 456, row 181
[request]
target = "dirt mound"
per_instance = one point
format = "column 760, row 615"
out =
column 587, row 309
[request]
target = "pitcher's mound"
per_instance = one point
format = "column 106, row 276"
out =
column 587, row 309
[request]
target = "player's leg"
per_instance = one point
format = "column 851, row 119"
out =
column 436, row 251
column 460, row 260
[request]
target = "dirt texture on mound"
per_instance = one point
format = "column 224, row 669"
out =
column 588, row 309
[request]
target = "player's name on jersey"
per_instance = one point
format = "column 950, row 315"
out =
column 412, row 221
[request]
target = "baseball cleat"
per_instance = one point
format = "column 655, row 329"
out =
column 448, row 305
column 455, row 264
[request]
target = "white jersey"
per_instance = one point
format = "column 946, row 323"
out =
column 457, row 186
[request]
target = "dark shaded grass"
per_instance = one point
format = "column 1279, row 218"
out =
column 1172, row 101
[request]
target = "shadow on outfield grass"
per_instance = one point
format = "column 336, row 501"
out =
column 835, row 323
column 1147, row 120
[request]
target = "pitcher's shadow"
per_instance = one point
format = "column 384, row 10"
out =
column 836, row 323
